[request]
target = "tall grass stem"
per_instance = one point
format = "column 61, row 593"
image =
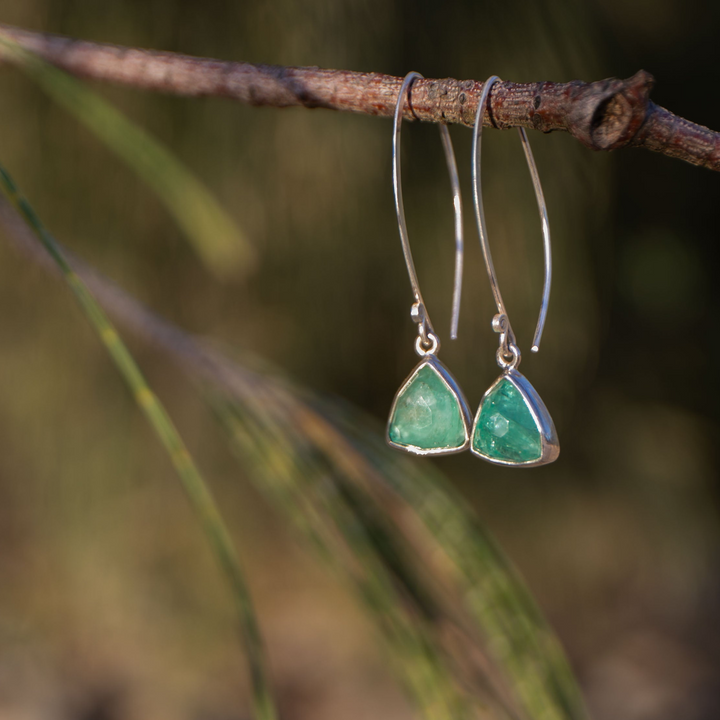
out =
column 193, row 483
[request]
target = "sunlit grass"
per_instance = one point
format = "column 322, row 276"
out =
column 467, row 639
column 195, row 486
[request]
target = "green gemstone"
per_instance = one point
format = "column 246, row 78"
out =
column 427, row 414
column 505, row 429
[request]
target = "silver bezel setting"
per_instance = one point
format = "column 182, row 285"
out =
column 451, row 384
column 550, row 446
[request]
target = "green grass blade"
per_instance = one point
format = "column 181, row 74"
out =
column 493, row 592
column 197, row 490
column 352, row 538
column 214, row 235
column 526, row 673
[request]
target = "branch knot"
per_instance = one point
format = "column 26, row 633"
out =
column 607, row 115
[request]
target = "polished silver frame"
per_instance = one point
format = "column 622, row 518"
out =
column 550, row 446
column 454, row 388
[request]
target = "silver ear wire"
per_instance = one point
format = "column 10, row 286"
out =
column 507, row 335
column 420, row 314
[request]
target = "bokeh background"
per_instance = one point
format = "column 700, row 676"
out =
column 110, row 603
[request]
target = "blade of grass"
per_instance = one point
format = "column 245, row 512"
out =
column 215, row 236
column 300, row 480
column 492, row 590
column 193, row 483
column 496, row 602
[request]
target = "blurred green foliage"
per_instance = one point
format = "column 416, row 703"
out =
column 195, row 487
column 108, row 600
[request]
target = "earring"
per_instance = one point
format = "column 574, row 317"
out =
column 512, row 425
column 429, row 415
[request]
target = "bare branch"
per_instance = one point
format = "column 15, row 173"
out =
column 602, row 115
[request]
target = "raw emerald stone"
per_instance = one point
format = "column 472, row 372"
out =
column 506, row 429
column 427, row 414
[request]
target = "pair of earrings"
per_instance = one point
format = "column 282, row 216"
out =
column 430, row 415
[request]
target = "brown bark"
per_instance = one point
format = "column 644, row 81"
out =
column 603, row 115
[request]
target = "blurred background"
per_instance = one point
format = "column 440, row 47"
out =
column 111, row 605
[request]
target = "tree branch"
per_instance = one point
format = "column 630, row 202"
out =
column 603, row 115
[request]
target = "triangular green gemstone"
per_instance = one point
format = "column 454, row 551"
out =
column 505, row 429
column 427, row 414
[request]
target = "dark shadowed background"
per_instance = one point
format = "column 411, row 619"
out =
column 110, row 604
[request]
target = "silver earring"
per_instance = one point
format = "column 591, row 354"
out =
column 429, row 415
column 512, row 426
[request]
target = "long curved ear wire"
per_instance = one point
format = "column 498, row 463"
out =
column 420, row 314
column 512, row 425
column 429, row 415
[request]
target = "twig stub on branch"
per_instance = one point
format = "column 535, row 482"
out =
column 606, row 115
column 603, row 115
